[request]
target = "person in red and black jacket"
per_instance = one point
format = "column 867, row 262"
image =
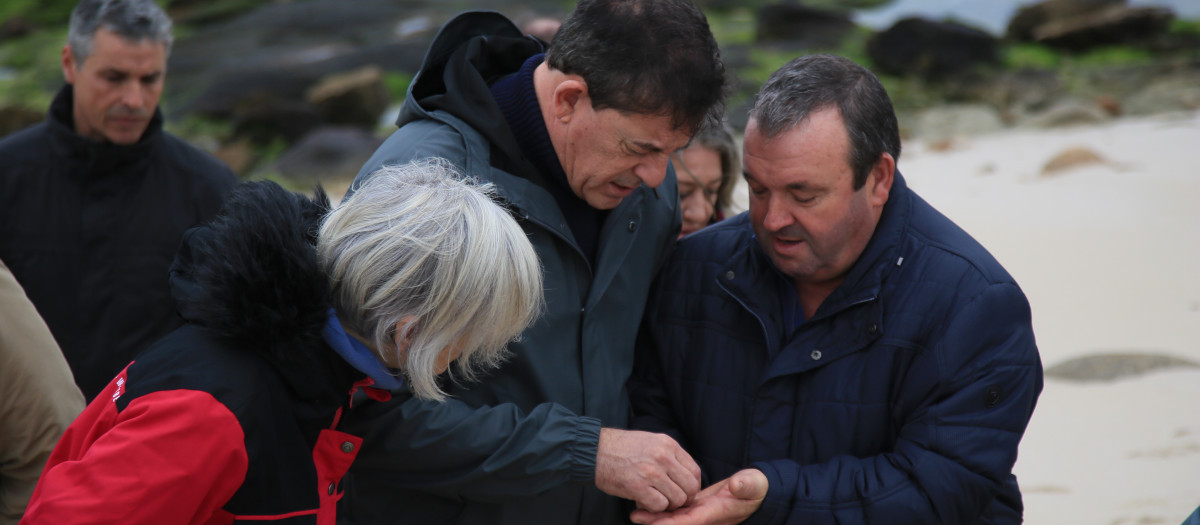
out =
column 290, row 309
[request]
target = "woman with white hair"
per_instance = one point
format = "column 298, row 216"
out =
column 291, row 310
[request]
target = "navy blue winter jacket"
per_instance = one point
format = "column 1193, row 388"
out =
column 902, row 400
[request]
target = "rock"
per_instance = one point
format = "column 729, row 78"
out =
column 1109, row 104
column 1068, row 112
column 239, row 155
column 332, row 153
column 261, row 118
column 1070, row 159
column 16, row 27
column 355, row 98
column 1110, row 367
column 286, row 48
column 957, row 120
column 1112, row 25
column 17, row 118
column 1029, row 18
column 933, row 50
column 802, row 26
column 1180, row 93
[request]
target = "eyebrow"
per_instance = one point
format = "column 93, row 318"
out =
column 646, row 146
column 795, row 186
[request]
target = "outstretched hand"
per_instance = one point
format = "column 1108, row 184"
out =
column 650, row 469
column 729, row 501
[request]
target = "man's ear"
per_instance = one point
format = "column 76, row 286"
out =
column 880, row 179
column 568, row 95
column 68, row 64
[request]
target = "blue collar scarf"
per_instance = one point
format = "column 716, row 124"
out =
column 359, row 356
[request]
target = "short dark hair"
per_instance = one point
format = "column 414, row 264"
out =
column 811, row 83
column 651, row 57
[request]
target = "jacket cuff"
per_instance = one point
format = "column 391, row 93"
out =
column 583, row 450
column 777, row 505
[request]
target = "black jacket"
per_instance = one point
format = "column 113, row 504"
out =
column 233, row 416
column 519, row 446
column 89, row 230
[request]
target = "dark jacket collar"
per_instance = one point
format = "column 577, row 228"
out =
column 250, row 277
column 105, row 157
column 759, row 282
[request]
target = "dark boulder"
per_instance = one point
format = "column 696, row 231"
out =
column 355, row 98
column 802, row 26
column 933, row 50
column 1028, row 19
column 328, row 154
column 1079, row 25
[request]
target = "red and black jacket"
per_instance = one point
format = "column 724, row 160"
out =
column 232, row 417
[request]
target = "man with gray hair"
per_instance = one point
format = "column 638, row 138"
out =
column 94, row 200
column 842, row 353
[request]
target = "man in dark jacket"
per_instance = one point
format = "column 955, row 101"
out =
column 842, row 353
column 94, row 200
column 577, row 143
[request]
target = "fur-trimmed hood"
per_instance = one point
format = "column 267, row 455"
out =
column 250, row 276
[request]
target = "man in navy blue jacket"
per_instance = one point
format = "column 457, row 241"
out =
column 843, row 353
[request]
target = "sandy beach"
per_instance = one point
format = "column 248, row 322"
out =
column 1108, row 253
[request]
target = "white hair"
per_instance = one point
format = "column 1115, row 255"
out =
column 421, row 240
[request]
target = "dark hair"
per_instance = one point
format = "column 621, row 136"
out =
column 814, row 82
column 651, row 57
column 133, row 20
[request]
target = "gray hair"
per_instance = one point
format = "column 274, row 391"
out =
column 812, row 83
column 420, row 240
column 133, row 20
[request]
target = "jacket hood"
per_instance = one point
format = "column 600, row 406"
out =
column 250, row 276
column 469, row 53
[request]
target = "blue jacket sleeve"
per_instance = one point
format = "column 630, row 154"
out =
column 954, row 452
column 462, row 452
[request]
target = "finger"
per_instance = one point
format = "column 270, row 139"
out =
column 676, row 496
column 652, row 500
column 685, row 473
column 750, row 484
column 643, row 517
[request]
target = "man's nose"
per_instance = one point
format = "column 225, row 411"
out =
column 133, row 96
column 652, row 169
column 777, row 216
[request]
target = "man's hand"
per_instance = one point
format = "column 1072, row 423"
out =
column 724, row 503
column 651, row 469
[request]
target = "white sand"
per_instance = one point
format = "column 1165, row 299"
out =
column 1109, row 256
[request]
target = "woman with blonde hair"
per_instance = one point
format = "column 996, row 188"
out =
column 291, row 309
column 707, row 170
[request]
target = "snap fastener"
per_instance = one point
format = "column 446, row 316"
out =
column 729, row 275
column 816, row 355
column 332, row 488
column 347, row 447
column 632, row 226
column 992, row 396
column 873, row 329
